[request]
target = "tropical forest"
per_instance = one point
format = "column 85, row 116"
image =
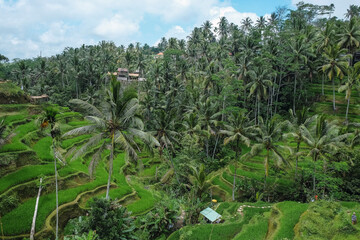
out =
column 246, row 130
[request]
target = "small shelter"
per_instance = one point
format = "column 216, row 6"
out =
column 39, row 99
column 210, row 214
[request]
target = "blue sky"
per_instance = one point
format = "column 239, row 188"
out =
column 28, row 27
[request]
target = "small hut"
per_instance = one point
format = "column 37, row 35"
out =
column 210, row 215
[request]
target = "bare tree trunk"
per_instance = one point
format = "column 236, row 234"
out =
column 296, row 168
column 216, row 142
column 333, row 85
column 277, row 95
column 347, row 109
column 256, row 103
column 32, row 232
column 172, row 164
column 57, row 196
column 233, row 190
column 294, row 97
column 110, row 166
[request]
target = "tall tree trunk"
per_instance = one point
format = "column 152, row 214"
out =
column 297, row 150
column 233, row 190
column 333, row 85
column 258, row 106
column 216, row 142
column 256, row 103
column 266, row 166
column 322, row 85
column 57, row 195
column 314, row 183
column 347, row 109
column 32, row 232
column 110, row 165
column 294, row 97
column 277, row 94
column 172, row 164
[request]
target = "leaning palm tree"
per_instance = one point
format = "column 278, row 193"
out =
column 49, row 118
column 238, row 130
column 323, row 141
column 116, row 120
column 353, row 78
column 336, row 64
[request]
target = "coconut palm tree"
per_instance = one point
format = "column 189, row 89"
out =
column 163, row 125
column 116, row 120
column 269, row 134
column 300, row 50
column 48, row 118
column 323, row 140
column 353, row 78
column 259, row 84
column 239, row 130
column 336, row 63
column 301, row 117
column 199, row 180
column 352, row 11
column 350, row 37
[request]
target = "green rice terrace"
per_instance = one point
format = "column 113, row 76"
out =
column 244, row 130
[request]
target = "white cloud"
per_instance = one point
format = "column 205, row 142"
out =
column 231, row 14
column 55, row 34
column 176, row 32
column 340, row 5
column 116, row 27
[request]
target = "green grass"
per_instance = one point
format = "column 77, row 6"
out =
column 72, row 141
column 19, row 220
column 216, row 181
column 25, row 174
column 149, row 172
column 31, row 172
column 145, row 203
column 290, row 215
column 13, row 118
column 255, row 230
column 16, row 144
column 78, row 123
column 43, row 149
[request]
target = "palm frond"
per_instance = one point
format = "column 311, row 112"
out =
column 87, row 108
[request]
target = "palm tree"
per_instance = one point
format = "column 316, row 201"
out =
column 259, row 84
column 323, row 140
column 246, row 24
column 324, row 40
column 199, row 180
column 298, row 119
column 300, row 51
column 165, row 133
column 269, row 134
column 336, row 63
column 116, row 120
column 49, row 118
column 353, row 77
column 238, row 130
column 353, row 11
column 350, row 37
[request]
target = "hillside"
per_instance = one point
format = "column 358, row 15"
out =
column 29, row 156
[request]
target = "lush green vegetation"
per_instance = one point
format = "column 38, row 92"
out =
column 273, row 105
